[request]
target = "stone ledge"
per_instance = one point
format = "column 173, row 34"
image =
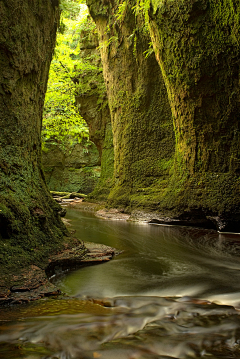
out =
column 33, row 283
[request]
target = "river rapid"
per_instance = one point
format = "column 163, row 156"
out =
column 174, row 292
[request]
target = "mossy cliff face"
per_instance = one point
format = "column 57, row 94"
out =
column 93, row 106
column 197, row 46
column 140, row 114
column 77, row 169
column 30, row 226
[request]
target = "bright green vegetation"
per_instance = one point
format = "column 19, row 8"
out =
column 71, row 161
column 62, row 123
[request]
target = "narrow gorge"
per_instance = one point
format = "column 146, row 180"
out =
column 163, row 114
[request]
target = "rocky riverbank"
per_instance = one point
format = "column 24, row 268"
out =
column 189, row 219
column 34, row 283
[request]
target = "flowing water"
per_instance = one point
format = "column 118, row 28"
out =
column 174, row 292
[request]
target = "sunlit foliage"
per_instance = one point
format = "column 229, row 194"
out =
column 62, row 124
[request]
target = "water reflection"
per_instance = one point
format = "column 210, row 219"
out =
column 157, row 260
column 148, row 310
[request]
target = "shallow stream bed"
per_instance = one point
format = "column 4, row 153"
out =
column 173, row 293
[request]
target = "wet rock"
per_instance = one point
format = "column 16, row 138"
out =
column 63, row 212
column 33, row 283
column 228, row 223
column 4, row 292
column 62, row 196
column 192, row 222
column 192, row 218
column 87, row 254
column 112, row 213
column 30, row 284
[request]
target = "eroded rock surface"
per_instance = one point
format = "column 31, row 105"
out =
column 175, row 115
column 74, row 170
column 33, row 282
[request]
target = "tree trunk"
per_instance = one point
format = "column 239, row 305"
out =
column 30, row 226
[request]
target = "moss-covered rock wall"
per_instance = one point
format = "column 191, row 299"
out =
column 143, row 135
column 92, row 102
column 193, row 173
column 76, row 169
column 197, row 46
column 30, row 226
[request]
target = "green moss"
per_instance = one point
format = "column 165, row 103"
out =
column 30, row 227
column 30, row 231
column 187, row 159
column 141, row 120
column 104, row 185
column 196, row 44
column 73, row 171
column 92, row 101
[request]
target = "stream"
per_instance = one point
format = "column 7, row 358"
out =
column 174, row 292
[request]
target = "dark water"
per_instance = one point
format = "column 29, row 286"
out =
column 173, row 293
